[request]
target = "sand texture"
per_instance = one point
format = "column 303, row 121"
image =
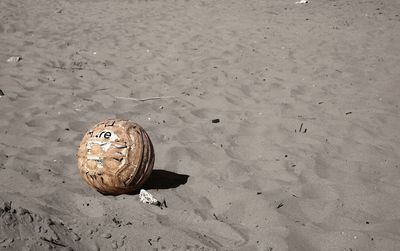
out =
column 275, row 125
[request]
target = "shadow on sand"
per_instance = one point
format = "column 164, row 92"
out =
column 162, row 179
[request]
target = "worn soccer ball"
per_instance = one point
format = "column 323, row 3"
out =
column 116, row 157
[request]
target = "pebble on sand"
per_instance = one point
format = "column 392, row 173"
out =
column 114, row 244
column 14, row 59
column 106, row 235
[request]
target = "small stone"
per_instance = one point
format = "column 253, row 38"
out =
column 22, row 211
column 49, row 222
column 51, row 78
column 29, row 217
column 7, row 206
column 122, row 243
column 106, row 235
column 215, row 121
column 14, row 59
column 38, row 217
column 76, row 237
column 9, row 219
column 1, row 93
column 114, row 244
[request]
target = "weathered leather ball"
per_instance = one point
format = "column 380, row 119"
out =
column 116, row 157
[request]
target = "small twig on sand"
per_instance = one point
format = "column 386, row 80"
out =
column 146, row 99
column 55, row 242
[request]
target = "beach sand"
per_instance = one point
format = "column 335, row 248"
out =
column 305, row 155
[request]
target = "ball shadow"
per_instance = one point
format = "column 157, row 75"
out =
column 162, row 179
column 159, row 179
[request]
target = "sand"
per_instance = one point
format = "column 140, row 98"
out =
column 305, row 155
